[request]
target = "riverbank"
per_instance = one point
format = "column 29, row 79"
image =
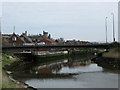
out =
column 7, row 81
column 113, row 53
column 110, row 60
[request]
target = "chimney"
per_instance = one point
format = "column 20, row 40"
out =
column 26, row 33
column 43, row 32
column 49, row 36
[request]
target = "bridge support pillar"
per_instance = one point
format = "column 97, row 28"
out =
column 70, row 51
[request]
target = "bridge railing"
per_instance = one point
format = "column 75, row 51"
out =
column 55, row 46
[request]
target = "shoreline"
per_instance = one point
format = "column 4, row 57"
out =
column 109, row 60
column 7, row 79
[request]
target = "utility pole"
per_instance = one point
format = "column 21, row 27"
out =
column 113, row 28
column 106, row 27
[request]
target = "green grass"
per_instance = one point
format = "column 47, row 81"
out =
column 5, row 55
column 6, row 60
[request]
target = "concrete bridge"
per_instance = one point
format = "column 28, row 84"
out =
column 21, row 48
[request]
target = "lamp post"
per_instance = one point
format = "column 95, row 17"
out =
column 14, row 29
column 106, row 27
column 113, row 28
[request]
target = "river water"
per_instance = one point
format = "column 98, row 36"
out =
column 75, row 72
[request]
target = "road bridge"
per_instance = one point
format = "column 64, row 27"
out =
column 21, row 48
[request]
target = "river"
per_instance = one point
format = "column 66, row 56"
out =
column 75, row 72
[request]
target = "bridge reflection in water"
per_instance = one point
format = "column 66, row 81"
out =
column 73, row 72
column 55, row 68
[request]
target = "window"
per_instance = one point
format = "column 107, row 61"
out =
column 14, row 38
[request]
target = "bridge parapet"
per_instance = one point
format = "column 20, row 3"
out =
column 21, row 48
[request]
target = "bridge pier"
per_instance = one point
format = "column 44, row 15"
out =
column 70, row 51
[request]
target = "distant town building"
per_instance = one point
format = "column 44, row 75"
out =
column 60, row 41
column 15, row 39
column 46, row 41
column 26, row 38
column 74, row 42
column 40, row 36
column 43, row 39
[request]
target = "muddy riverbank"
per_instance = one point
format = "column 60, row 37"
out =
column 107, row 62
column 7, row 79
column 110, row 60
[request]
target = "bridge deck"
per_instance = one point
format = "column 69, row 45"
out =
column 58, row 46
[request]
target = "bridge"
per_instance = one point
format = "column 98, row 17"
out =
column 21, row 48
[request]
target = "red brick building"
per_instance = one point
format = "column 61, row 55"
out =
column 15, row 40
column 46, row 41
column 25, row 38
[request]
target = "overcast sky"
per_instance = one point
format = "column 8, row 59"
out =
column 69, row 20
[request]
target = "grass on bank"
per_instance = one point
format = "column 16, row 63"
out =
column 113, row 53
column 6, row 82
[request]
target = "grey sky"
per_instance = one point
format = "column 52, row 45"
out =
column 70, row 20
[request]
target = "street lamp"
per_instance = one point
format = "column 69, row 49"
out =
column 13, row 29
column 113, row 28
column 106, row 27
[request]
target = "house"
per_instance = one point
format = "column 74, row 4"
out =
column 40, row 36
column 28, row 41
column 43, row 39
column 60, row 41
column 16, row 40
column 74, row 42
column 46, row 41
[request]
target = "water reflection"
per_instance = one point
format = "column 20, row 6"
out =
column 60, row 68
column 67, row 66
column 77, row 72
